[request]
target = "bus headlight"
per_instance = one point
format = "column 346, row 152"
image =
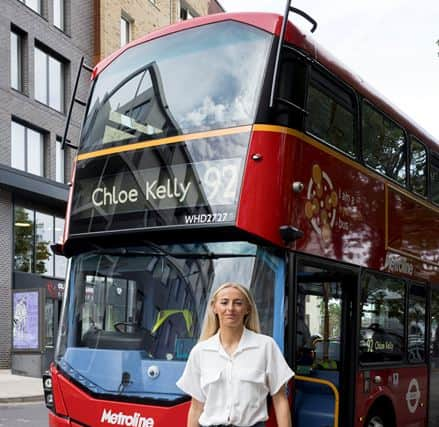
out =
column 48, row 393
column 48, row 383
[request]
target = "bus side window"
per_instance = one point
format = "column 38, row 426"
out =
column 382, row 318
column 384, row 144
column 434, row 357
column 416, row 324
column 435, row 179
column 290, row 103
column 418, row 167
column 331, row 113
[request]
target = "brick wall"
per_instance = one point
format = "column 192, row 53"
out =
column 145, row 16
column 5, row 278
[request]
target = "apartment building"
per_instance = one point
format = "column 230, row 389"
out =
column 44, row 42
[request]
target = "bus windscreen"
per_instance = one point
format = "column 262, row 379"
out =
column 136, row 168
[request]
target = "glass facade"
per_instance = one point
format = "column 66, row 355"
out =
column 24, row 241
column 34, row 232
column 43, row 239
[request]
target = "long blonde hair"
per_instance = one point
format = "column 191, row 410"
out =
column 211, row 323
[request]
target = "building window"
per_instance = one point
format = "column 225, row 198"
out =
column 43, row 239
column 34, row 232
column 60, row 161
column 23, row 237
column 35, row 5
column 185, row 14
column 125, row 31
column 49, row 73
column 58, row 14
column 16, row 61
column 27, row 149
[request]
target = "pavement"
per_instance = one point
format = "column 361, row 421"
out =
column 17, row 388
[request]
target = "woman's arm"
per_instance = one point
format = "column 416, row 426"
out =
column 194, row 413
column 282, row 408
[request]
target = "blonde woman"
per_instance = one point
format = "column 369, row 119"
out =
column 233, row 368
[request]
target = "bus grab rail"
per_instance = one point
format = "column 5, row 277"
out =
column 288, row 9
column 331, row 386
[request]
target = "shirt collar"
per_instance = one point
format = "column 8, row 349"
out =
column 248, row 340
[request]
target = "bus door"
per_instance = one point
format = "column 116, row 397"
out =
column 324, row 343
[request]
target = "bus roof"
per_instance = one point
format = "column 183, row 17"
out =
column 272, row 23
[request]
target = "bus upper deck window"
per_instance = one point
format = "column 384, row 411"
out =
column 435, row 180
column 331, row 115
column 384, row 145
column 418, row 167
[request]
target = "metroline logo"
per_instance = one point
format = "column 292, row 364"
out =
column 121, row 419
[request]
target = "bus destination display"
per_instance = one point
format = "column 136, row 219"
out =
column 190, row 193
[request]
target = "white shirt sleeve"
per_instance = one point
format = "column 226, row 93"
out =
column 190, row 381
column 278, row 371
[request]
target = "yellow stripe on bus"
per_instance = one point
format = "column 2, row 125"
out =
column 163, row 141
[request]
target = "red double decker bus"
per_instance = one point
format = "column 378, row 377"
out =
column 233, row 148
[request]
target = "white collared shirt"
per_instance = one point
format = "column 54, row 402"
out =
column 234, row 388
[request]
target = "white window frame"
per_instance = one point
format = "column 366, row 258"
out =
column 16, row 68
column 59, row 14
column 48, row 79
column 36, row 8
column 22, row 162
column 59, row 161
column 125, row 30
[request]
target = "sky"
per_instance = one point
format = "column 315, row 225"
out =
column 391, row 44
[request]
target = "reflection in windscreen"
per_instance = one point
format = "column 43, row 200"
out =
column 198, row 79
column 154, row 299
